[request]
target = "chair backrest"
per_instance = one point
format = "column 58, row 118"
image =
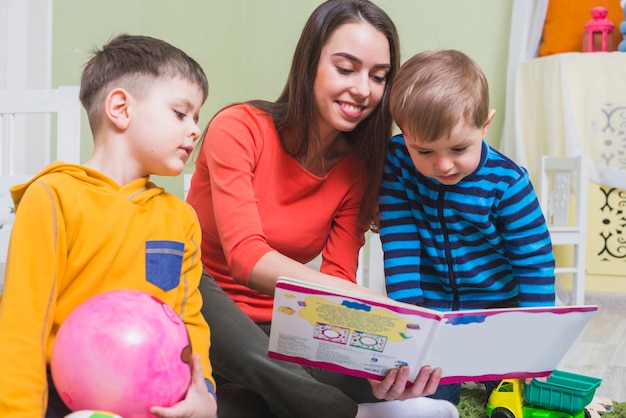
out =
column 26, row 142
column 562, row 180
column 371, row 270
column 563, row 186
column 186, row 184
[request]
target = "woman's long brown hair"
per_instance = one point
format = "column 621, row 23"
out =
column 295, row 114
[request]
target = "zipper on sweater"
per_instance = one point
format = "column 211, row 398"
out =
column 446, row 244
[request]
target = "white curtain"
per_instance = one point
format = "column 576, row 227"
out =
column 526, row 27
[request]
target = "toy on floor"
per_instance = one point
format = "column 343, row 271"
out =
column 562, row 395
column 122, row 351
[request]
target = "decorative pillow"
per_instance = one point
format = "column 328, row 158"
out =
column 565, row 21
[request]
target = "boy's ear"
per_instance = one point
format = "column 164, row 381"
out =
column 492, row 113
column 116, row 108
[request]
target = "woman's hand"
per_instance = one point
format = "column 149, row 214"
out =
column 394, row 385
column 198, row 403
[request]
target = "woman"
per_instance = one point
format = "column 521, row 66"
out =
column 276, row 184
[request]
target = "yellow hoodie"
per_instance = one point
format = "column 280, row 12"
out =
column 76, row 234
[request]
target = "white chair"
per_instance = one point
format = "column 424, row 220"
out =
column 562, row 191
column 186, row 184
column 26, row 143
column 371, row 271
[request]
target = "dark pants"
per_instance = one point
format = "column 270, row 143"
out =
column 56, row 407
column 452, row 392
column 239, row 356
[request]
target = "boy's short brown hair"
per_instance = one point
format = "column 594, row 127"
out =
column 433, row 90
column 130, row 61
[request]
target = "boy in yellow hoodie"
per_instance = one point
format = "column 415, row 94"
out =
column 81, row 230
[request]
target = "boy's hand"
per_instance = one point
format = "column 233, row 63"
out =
column 529, row 380
column 394, row 385
column 198, row 403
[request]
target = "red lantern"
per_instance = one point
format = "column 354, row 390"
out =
column 598, row 35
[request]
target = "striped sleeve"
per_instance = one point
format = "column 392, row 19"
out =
column 528, row 244
column 398, row 232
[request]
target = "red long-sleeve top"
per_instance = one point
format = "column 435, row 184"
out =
column 252, row 197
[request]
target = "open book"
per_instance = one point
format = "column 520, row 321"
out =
column 367, row 336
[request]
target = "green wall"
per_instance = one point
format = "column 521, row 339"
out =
column 245, row 46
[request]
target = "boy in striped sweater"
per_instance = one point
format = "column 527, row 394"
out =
column 460, row 223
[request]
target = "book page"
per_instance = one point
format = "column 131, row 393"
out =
column 367, row 336
column 506, row 343
column 347, row 334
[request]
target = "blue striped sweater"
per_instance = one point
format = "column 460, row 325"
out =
column 480, row 243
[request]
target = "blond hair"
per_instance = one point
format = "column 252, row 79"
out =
column 433, row 90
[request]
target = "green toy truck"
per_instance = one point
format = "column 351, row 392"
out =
column 562, row 395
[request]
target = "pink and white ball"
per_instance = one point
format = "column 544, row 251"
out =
column 122, row 351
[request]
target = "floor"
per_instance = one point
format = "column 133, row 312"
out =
column 600, row 350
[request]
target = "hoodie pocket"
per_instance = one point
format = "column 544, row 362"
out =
column 164, row 261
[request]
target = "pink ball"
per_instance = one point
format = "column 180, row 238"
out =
column 122, row 351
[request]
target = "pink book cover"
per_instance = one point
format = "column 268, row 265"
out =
column 367, row 336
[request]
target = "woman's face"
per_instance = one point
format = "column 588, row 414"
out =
column 351, row 77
